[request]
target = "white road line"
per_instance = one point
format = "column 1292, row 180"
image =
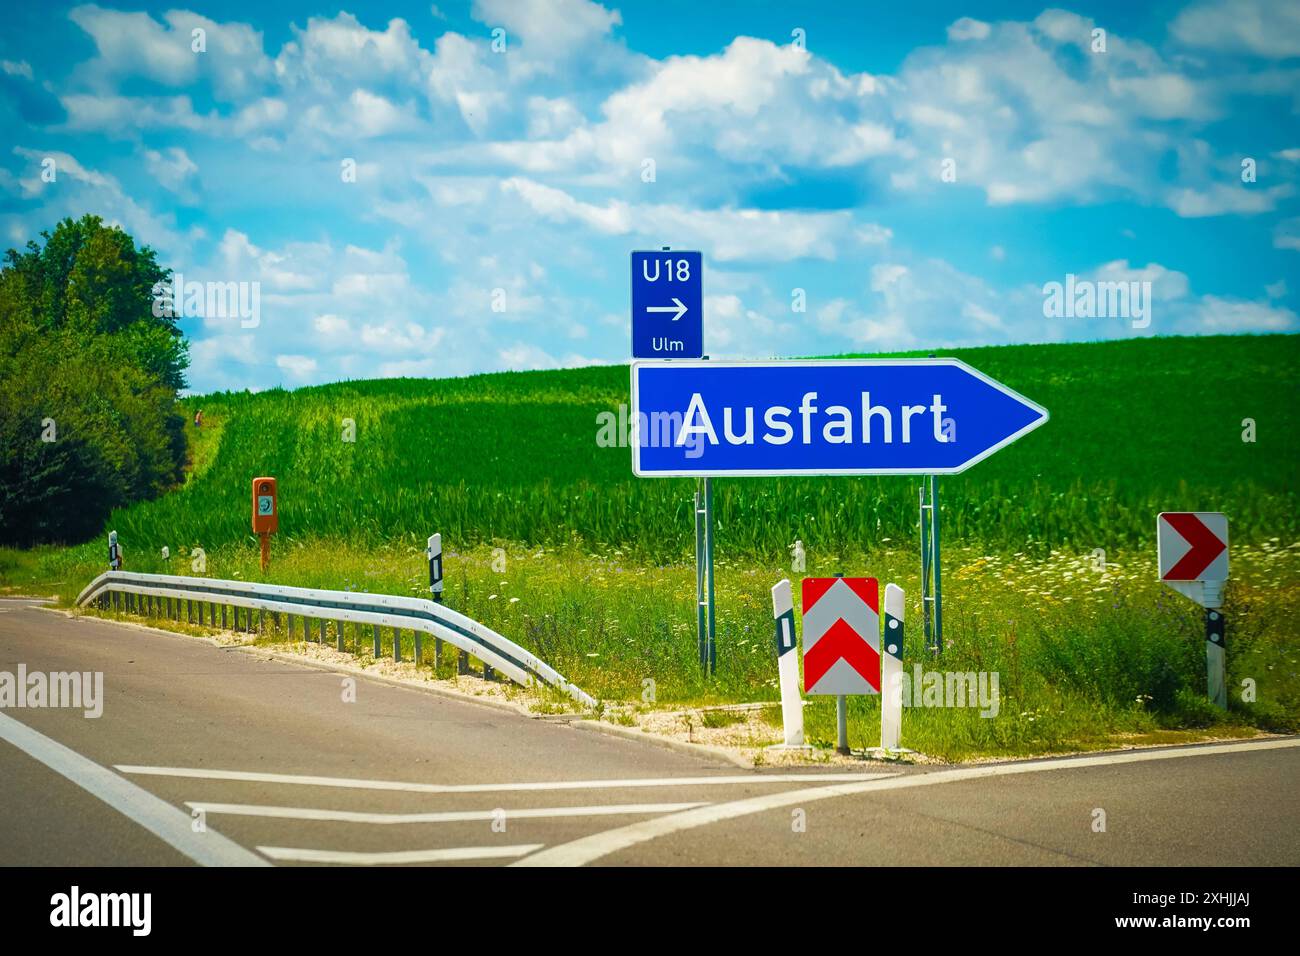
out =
column 446, row 816
column 160, row 818
column 588, row 849
column 250, row 776
column 448, row 855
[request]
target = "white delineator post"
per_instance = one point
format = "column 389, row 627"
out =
column 434, row 554
column 891, row 670
column 787, row 664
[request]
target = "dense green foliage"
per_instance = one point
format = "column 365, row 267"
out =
column 1137, row 427
column 88, row 383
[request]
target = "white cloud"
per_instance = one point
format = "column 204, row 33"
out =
column 725, row 234
column 1030, row 114
column 548, row 29
column 968, row 29
column 136, row 45
column 78, row 190
column 1267, row 28
column 299, row 366
column 172, row 167
column 1213, row 314
column 1221, row 198
column 1286, row 234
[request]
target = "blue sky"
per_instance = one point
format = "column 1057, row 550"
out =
column 798, row 146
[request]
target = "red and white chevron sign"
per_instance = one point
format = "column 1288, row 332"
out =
column 1192, row 546
column 841, row 636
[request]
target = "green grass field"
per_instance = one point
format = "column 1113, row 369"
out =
column 1137, row 427
column 601, row 562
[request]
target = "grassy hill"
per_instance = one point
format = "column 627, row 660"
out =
column 1137, row 427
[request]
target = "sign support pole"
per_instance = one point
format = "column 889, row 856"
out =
column 841, row 725
column 1216, row 650
column 931, row 572
column 936, row 565
column 926, row 597
column 705, row 618
column 701, row 638
column 708, row 552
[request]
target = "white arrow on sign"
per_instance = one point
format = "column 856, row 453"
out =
column 680, row 308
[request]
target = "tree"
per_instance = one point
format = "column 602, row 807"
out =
column 89, row 378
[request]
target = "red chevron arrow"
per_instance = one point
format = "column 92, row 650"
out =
column 840, row 642
column 1205, row 546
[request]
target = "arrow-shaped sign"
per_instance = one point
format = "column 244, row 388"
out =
column 855, row 417
column 678, row 306
column 841, row 643
column 1192, row 546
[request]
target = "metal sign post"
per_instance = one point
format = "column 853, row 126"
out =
column 705, row 619
column 931, row 567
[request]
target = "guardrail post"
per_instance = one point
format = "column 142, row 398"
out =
column 338, row 634
column 378, row 641
column 397, row 644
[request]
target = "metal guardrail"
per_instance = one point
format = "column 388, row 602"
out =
column 380, row 610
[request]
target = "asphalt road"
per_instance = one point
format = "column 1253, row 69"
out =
column 215, row 756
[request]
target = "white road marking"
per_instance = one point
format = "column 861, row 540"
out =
column 587, row 849
column 249, row 776
column 160, row 818
column 445, row 816
column 447, row 855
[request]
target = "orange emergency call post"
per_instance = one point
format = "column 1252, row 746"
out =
column 266, row 515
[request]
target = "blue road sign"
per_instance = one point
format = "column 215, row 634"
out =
column 667, row 305
column 853, row 417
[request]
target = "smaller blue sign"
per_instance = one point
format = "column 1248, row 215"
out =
column 667, row 305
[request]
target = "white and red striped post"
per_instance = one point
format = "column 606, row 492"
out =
column 891, row 670
column 787, row 664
